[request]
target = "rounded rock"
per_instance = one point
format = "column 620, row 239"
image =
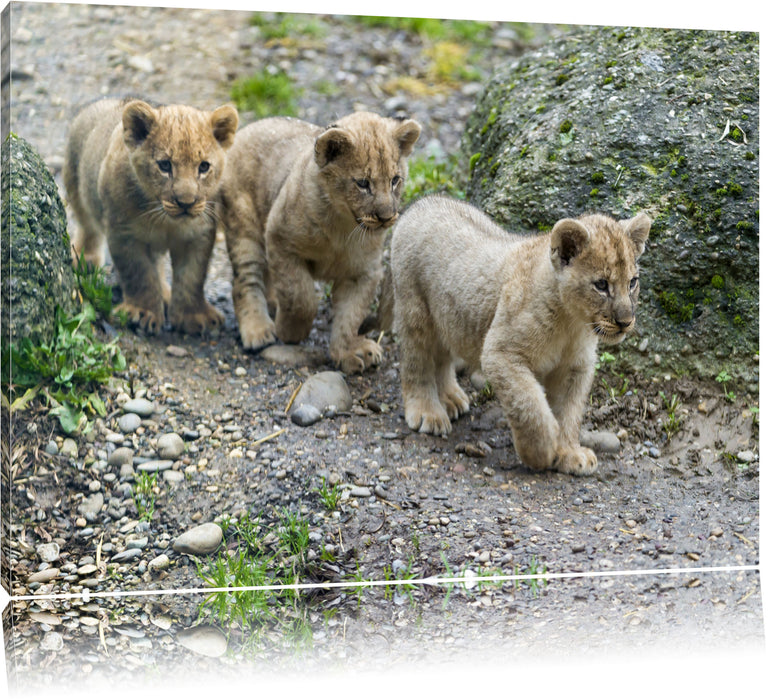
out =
column 129, row 422
column 170, row 446
column 203, row 539
column 305, row 414
column 142, row 407
column 48, row 552
column 203, row 639
column 121, row 456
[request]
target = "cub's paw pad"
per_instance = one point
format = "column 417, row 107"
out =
column 364, row 354
column 427, row 417
column 196, row 322
column 147, row 320
column 456, row 403
column 255, row 336
column 580, row 461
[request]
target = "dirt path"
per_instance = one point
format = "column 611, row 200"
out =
column 414, row 506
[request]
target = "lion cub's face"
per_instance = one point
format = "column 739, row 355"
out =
column 596, row 258
column 363, row 164
column 178, row 154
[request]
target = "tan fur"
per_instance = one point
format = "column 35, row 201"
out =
column 304, row 203
column 146, row 180
column 528, row 310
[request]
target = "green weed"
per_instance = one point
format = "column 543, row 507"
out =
column 432, row 28
column 65, row 372
column 674, row 421
column 282, row 25
column 94, row 286
column 145, row 495
column 723, row 378
column 266, row 93
column 433, row 175
column 330, row 495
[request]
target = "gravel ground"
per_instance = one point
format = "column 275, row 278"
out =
column 410, row 506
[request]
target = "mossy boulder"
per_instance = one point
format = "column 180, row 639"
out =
column 37, row 275
column 622, row 120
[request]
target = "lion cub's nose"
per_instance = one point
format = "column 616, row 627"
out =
column 185, row 204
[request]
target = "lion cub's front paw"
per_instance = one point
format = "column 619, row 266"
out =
column 455, row 401
column 362, row 354
column 427, row 416
column 199, row 321
column 257, row 334
column 148, row 320
column 580, row 461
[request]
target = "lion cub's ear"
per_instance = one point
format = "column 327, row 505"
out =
column 224, row 121
column 407, row 133
column 637, row 229
column 567, row 240
column 332, row 144
column 138, row 118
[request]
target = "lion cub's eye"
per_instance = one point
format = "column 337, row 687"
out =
column 634, row 283
column 396, row 180
column 601, row 285
column 363, row 185
column 165, row 166
column 204, row 167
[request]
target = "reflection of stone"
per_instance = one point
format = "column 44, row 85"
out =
column 52, row 641
column 204, row 639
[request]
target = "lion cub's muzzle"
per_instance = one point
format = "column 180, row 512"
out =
column 378, row 222
column 614, row 330
column 180, row 207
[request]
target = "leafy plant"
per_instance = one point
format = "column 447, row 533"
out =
column 94, row 286
column 674, row 421
column 432, row 174
column 267, row 93
column 723, row 378
column 330, row 495
column 66, row 371
column 145, row 495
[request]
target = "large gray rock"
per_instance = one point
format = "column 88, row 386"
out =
column 36, row 272
column 622, row 120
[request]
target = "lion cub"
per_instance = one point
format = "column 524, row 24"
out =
column 528, row 310
column 146, row 179
column 304, row 203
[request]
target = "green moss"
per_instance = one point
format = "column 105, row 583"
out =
column 675, row 309
column 597, row 178
column 562, row 78
column 745, row 226
column 718, row 282
column 565, row 126
column 473, row 161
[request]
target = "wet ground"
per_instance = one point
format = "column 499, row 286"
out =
column 657, row 552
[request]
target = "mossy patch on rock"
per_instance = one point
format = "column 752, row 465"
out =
column 621, row 120
column 37, row 275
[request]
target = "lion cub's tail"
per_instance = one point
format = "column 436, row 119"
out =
column 383, row 319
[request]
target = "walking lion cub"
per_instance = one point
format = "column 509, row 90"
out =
column 146, row 178
column 528, row 310
column 304, row 203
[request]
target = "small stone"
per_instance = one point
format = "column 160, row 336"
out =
column 138, row 543
column 600, row 441
column 86, row 569
column 48, row 552
column 716, row 532
column 173, row 477
column 305, row 414
column 127, row 555
column 94, row 485
column 120, row 456
column 141, row 63
column 69, row 448
column 240, row 371
column 51, row 448
column 52, row 641
column 155, row 465
column 43, row 576
column 129, row 422
column 91, row 506
column 202, row 539
column 176, row 351
column 204, row 639
column 361, row 491
column 143, row 407
column 745, row 456
column 323, row 390
column 159, row 563
column 170, row 446
column 654, row 452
